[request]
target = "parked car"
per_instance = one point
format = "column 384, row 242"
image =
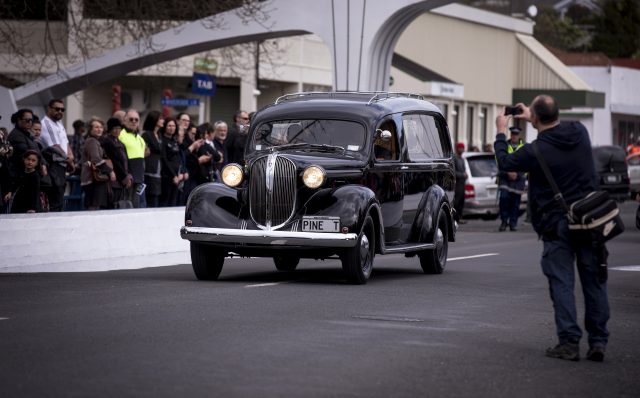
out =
column 331, row 175
column 611, row 166
column 481, row 188
column 633, row 166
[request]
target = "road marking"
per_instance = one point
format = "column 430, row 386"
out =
column 627, row 268
column 3, row 319
column 266, row 284
column 476, row 256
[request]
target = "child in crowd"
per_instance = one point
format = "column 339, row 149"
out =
column 26, row 198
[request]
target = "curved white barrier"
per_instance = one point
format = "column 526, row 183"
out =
column 92, row 240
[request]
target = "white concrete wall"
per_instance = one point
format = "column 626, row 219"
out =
column 625, row 97
column 126, row 237
column 599, row 78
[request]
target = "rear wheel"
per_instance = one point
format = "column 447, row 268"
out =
column 357, row 262
column 434, row 261
column 207, row 261
column 286, row 263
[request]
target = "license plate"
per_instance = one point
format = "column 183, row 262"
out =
column 321, row 224
column 613, row 179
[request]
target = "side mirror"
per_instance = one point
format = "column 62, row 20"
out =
column 384, row 135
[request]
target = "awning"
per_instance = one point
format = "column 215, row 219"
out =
column 565, row 98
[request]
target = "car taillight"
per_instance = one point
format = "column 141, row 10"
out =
column 469, row 191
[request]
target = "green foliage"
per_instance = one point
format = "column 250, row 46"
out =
column 617, row 32
column 559, row 33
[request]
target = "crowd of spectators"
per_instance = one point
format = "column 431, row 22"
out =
column 121, row 163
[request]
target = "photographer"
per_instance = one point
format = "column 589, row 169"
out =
column 567, row 151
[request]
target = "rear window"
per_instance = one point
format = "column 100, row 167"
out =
column 483, row 166
column 609, row 159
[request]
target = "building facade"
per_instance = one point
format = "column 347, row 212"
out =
column 468, row 61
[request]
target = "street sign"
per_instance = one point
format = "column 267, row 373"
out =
column 203, row 84
column 180, row 102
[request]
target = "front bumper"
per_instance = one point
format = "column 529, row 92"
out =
column 235, row 237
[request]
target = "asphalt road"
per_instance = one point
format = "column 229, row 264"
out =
column 478, row 330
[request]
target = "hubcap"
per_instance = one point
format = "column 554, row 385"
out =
column 365, row 253
column 440, row 245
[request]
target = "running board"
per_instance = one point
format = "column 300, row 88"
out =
column 409, row 247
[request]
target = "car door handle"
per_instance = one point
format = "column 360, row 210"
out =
column 404, row 167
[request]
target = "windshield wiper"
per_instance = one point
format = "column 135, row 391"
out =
column 313, row 147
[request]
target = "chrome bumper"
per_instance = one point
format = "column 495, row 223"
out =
column 268, row 238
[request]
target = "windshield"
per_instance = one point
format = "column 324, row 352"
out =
column 483, row 166
column 316, row 135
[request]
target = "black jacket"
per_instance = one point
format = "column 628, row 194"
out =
column 235, row 144
column 566, row 149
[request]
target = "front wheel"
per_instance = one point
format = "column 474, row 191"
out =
column 434, row 260
column 357, row 262
column 207, row 261
column 286, row 263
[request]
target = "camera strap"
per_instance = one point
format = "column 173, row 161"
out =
column 547, row 173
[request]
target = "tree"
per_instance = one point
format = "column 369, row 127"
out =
column 617, row 32
column 560, row 33
column 45, row 36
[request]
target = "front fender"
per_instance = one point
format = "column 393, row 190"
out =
column 425, row 222
column 349, row 202
column 213, row 205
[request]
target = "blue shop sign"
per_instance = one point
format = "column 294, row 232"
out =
column 180, row 102
column 203, row 84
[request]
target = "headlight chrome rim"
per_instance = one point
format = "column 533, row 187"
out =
column 314, row 177
column 232, row 175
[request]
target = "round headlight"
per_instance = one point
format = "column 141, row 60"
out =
column 313, row 176
column 232, row 175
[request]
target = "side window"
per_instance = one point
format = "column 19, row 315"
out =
column 423, row 137
column 386, row 150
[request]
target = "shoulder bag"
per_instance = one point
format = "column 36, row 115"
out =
column 596, row 212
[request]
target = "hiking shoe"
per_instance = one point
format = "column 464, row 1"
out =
column 596, row 354
column 568, row 351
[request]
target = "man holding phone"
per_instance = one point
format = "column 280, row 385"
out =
column 566, row 148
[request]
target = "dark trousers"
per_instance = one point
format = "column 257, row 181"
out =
column 458, row 201
column 557, row 262
column 509, row 207
column 168, row 192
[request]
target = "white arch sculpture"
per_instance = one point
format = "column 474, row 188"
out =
column 361, row 35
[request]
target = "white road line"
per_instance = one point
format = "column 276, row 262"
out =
column 3, row 319
column 627, row 268
column 476, row 256
column 266, row 284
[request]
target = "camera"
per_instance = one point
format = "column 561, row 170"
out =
column 512, row 110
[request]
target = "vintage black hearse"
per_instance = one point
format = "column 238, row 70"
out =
column 340, row 174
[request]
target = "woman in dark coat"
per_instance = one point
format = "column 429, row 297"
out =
column 171, row 161
column 152, row 136
column 96, row 192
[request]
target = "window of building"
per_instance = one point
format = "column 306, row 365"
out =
column 469, row 127
column 484, row 121
column 424, row 140
column 456, row 122
column 37, row 10
column 167, row 10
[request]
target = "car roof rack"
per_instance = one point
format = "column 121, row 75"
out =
column 374, row 96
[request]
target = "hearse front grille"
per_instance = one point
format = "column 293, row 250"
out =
column 272, row 191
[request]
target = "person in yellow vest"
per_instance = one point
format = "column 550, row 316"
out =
column 136, row 151
column 511, row 186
